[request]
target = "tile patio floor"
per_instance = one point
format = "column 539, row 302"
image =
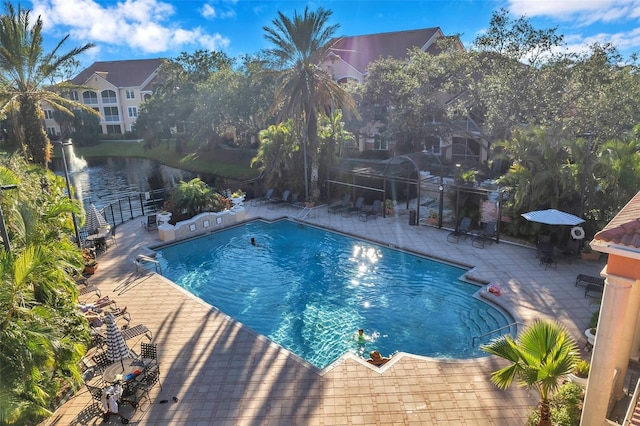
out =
column 225, row 374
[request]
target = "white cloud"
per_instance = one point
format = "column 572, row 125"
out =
column 143, row 25
column 569, row 9
column 208, row 11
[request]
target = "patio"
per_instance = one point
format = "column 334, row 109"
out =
column 223, row 373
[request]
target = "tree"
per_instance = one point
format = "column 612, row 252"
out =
column 24, row 68
column 539, row 358
column 279, row 155
column 304, row 91
column 172, row 103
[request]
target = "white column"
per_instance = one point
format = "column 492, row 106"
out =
column 613, row 311
column 635, row 345
column 629, row 329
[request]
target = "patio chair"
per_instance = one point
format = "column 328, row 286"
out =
column 461, row 231
column 342, row 205
column 149, row 354
column 372, row 210
column 484, row 236
column 149, row 377
column 357, row 206
column 100, row 362
column 151, row 223
column 273, row 203
column 296, row 202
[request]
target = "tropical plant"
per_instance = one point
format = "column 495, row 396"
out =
column 24, row 69
column 279, row 157
column 304, row 90
column 542, row 354
column 581, row 368
column 42, row 334
column 191, row 198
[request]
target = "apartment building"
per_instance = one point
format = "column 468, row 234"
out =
column 115, row 89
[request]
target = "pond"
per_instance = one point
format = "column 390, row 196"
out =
column 102, row 181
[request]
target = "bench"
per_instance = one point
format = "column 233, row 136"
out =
column 585, row 280
column 595, row 288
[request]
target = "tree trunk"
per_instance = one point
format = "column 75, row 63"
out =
column 545, row 413
column 36, row 143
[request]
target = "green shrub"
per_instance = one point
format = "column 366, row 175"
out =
column 566, row 406
column 581, row 368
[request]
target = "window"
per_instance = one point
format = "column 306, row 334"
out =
column 89, row 97
column 131, row 94
column 73, row 95
column 114, row 129
column 111, row 114
column 379, row 142
column 109, row 97
column 48, row 114
column 51, row 131
column 133, row 112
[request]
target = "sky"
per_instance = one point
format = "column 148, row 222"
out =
column 138, row 29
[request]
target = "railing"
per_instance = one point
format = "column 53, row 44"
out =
column 516, row 323
column 132, row 206
column 142, row 260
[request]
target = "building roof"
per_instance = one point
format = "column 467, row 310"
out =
column 360, row 51
column 624, row 229
column 130, row 73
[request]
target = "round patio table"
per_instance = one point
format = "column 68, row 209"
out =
column 122, row 371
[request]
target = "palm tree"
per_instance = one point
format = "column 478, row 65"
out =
column 24, row 69
column 540, row 356
column 304, row 90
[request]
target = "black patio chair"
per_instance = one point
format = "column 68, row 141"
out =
column 151, row 223
column 462, row 231
column 484, row 236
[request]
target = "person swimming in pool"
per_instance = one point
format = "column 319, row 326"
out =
column 253, row 242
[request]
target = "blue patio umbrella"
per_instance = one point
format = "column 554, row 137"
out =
column 553, row 217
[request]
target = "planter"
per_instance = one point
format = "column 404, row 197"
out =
column 237, row 201
column 390, row 212
column 590, row 256
column 432, row 220
column 580, row 381
column 163, row 218
column 310, row 204
column 90, row 269
column 591, row 338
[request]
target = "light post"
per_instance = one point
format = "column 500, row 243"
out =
column 587, row 155
column 3, row 228
column 66, row 176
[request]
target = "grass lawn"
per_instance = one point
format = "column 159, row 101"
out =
column 231, row 163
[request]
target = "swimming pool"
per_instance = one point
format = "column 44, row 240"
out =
column 310, row 290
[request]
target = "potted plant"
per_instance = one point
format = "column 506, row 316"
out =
column 588, row 253
column 237, row 198
column 90, row 263
column 432, row 219
column 590, row 332
column 580, row 372
column 389, row 206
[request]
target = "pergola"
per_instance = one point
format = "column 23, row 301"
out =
column 402, row 176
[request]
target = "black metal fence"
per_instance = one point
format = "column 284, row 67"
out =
column 140, row 204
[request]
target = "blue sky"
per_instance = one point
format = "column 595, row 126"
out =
column 130, row 29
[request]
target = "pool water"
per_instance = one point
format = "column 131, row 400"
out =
column 310, row 290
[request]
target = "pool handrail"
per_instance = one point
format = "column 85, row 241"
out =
column 516, row 323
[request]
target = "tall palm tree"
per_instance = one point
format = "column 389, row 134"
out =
column 540, row 356
column 24, row 70
column 304, row 90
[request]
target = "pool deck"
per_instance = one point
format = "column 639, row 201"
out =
column 225, row 374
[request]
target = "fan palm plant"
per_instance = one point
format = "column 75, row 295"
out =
column 539, row 358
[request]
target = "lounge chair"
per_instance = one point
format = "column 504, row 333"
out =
column 264, row 199
column 461, row 231
column 279, row 201
column 486, row 235
column 372, row 210
column 151, row 223
column 342, row 205
column 296, row 202
column 357, row 206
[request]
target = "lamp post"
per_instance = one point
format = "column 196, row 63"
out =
column 3, row 228
column 66, row 176
column 587, row 155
